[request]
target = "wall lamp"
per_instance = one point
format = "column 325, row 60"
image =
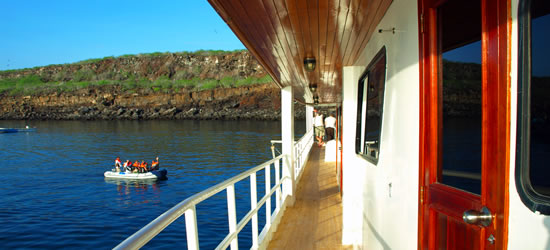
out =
column 313, row 87
column 309, row 64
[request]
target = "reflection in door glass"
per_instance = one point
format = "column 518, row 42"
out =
column 461, row 98
column 540, row 103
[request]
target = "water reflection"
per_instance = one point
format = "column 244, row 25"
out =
column 129, row 183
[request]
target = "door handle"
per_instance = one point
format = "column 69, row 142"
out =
column 481, row 218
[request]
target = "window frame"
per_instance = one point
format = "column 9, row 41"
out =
column 533, row 200
column 362, row 98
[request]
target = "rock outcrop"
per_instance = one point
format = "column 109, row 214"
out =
column 258, row 102
column 124, row 98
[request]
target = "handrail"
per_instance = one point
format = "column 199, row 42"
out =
column 302, row 148
column 188, row 206
column 145, row 234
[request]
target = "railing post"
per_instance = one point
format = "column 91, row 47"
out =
column 297, row 159
column 278, row 182
column 267, row 191
column 273, row 150
column 309, row 118
column 232, row 215
column 191, row 228
column 254, row 205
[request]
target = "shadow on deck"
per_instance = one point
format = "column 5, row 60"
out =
column 315, row 220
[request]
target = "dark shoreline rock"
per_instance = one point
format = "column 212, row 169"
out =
column 258, row 102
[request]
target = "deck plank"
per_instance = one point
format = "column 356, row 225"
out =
column 315, row 220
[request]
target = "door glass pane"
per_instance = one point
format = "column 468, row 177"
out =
column 460, row 47
column 540, row 92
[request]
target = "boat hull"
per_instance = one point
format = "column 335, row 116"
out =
column 156, row 174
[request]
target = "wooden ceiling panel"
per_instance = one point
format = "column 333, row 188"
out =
column 362, row 30
column 267, row 32
column 281, row 33
column 245, row 23
column 279, row 38
column 296, row 34
column 285, row 32
column 357, row 33
column 332, row 23
column 313, row 16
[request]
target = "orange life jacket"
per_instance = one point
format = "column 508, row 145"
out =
column 136, row 164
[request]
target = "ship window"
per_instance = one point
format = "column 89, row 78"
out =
column 533, row 135
column 370, row 103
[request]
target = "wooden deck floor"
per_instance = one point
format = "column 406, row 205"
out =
column 315, row 220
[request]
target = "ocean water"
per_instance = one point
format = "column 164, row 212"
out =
column 54, row 194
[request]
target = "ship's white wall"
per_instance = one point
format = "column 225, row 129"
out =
column 353, row 169
column 526, row 229
column 375, row 215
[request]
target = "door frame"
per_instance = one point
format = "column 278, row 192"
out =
column 496, row 44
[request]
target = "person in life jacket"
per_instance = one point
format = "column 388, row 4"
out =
column 118, row 164
column 126, row 165
column 129, row 166
column 136, row 166
column 143, row 167
column 155, row 164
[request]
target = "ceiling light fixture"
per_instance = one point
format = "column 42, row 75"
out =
column 313, row 87
column 315, row 99
column 309, row 64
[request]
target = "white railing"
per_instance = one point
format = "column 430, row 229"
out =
column 301, row 152
column 188, row 206
column 302, row 147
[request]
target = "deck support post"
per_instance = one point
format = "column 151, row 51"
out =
column 309, row 118
column 287, row 134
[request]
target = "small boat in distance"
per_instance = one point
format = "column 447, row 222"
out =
column 155, row 174
column 15, row 130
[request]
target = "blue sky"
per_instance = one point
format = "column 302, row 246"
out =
column 39, row 33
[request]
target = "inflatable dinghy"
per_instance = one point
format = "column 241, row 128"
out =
column 155, row 174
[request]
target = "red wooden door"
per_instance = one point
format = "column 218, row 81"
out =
column 446, row 193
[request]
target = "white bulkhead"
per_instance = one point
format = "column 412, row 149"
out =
column 380, row 202
column 526, row 229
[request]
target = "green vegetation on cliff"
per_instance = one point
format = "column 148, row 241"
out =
column 159, row 72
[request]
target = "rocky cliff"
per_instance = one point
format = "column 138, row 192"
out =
column 153, row 86
column 111, row 102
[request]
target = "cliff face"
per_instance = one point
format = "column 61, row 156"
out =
column 110, row 102
column 146, row 101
